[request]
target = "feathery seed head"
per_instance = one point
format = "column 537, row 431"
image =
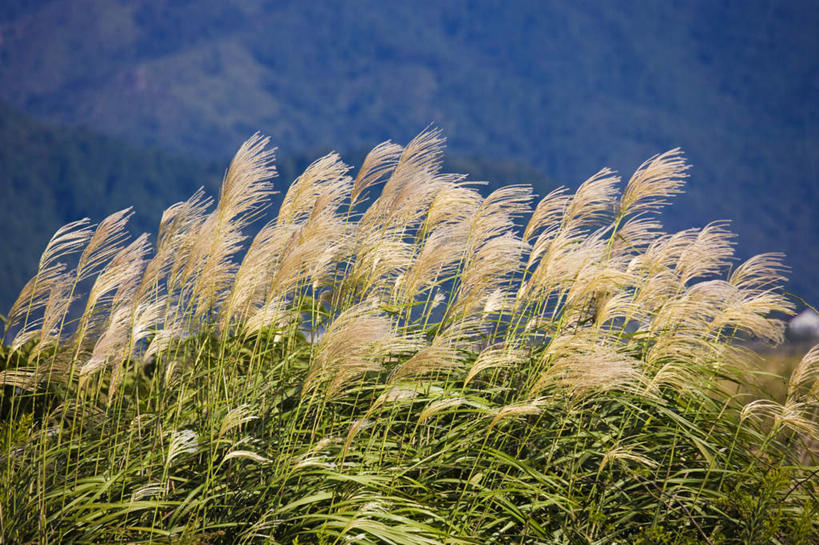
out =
column 654, row 182
column 594, row 201
column 549, row 212
column 104, row 243
column 378, row 164
column 805, row 376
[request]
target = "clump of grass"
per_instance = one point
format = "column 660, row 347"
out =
column 409, row 366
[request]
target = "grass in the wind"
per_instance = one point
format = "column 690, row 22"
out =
column 403, row 365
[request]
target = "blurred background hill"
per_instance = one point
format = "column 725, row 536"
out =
column 107, row 104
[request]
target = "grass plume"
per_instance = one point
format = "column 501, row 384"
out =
column 410, row 366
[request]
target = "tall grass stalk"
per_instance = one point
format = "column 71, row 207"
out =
column 413, row 366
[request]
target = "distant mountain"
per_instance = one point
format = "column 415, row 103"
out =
column 566, row 88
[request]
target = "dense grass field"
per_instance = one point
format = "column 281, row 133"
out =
column 415, row 364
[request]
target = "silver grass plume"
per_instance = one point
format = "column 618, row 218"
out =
column 379, row 163
column 441, row 252
column 104, row 244
column 494, row 358
column 67, row 240
column 708, row 255
column 594, row 202
column 177, row 236
column 548, row 213
column 412, row 185
column 301, row 245
column 33, row 297
column 804, row 382
column 586, row 362
column 242, row 198
column 443, row 354
column 356, row 342
column 312, row 249
column 326, row 177
column 119, row 281
column 654, row 182
column 252, row 281
column 59, row 300
column 493, row 250
column 124, row 275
